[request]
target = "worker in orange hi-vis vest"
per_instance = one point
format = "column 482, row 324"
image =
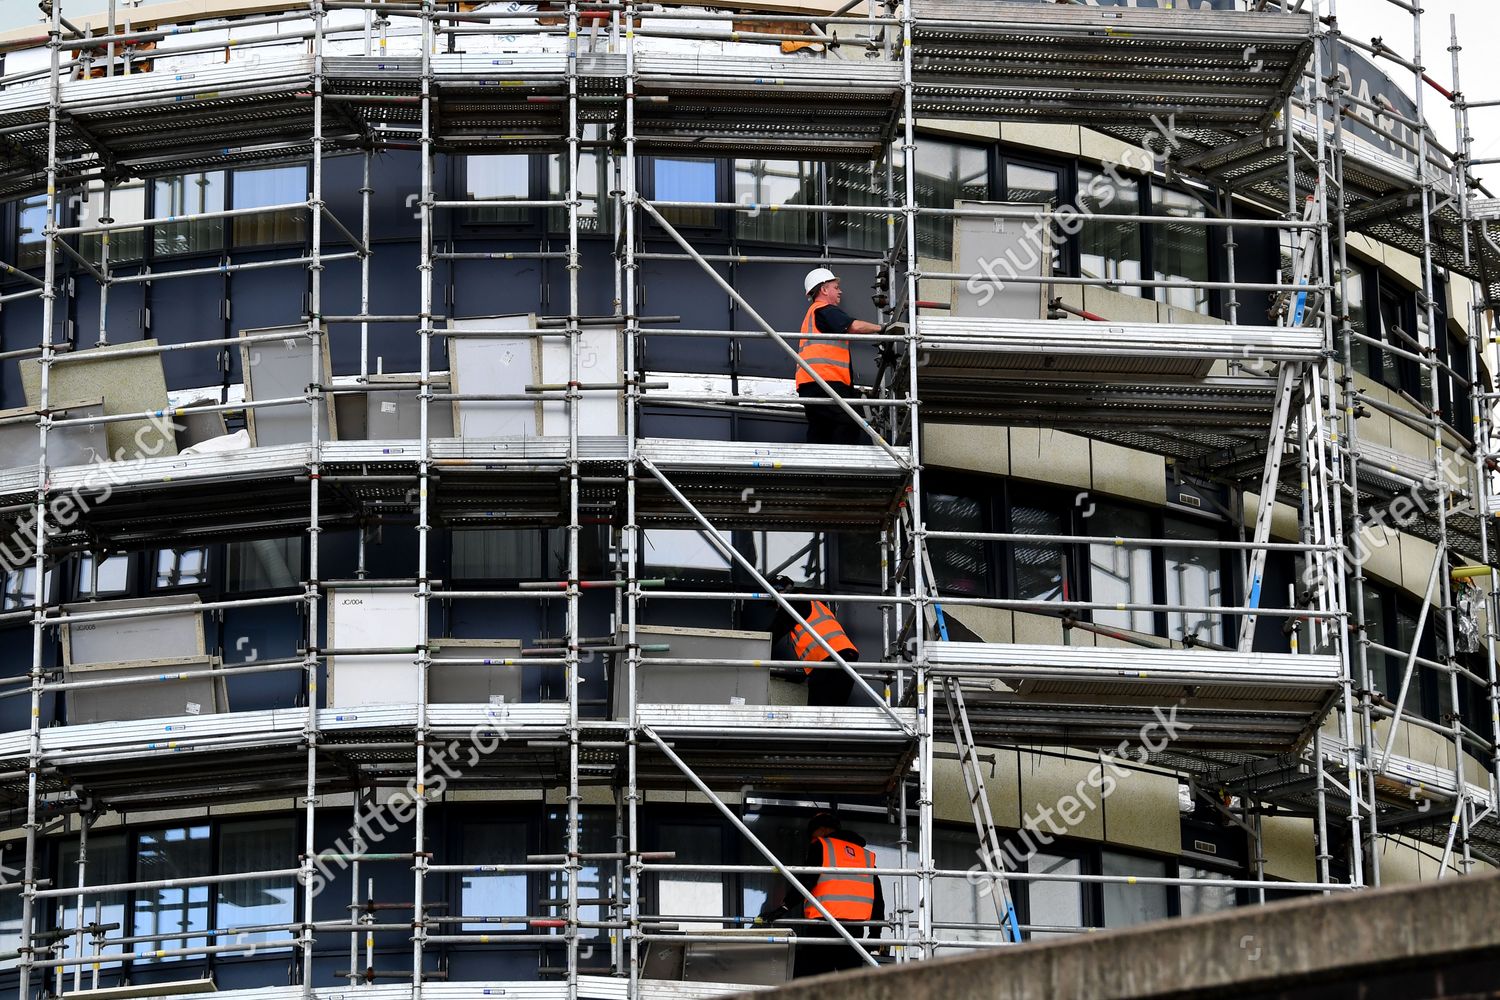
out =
column 826, row 685
column 827, row 423
column 852, row 895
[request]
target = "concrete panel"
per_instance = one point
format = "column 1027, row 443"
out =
column 1104, row 149
column 1049, row 456
column 1399, row 864
column 990, row 624
column 1058, row 140
column 1381, row 548
column 1117, row 307
column 1417, row 555
column 1000, row 769
column 959, row 130
column 1059, row 788
column 1041, row 630
column 1410, row 441
column 1176, row 314
column 1289, row 848
column 977, row 449
column 1376, row 426
column 1140, row 811
column 1426, row 746
column 1125, row 472
column 1283, row 518
column 1404, row 265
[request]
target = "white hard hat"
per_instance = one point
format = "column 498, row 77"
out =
column 816, row 277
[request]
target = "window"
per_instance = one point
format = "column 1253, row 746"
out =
column 521, row 553
column 170, row 915
column 1180, row 250
column 1365, row 357
column 797, row 555
column 1120, row 574
column 108, row 863
column 1053, row 907
column 1126, row 905
column 692, row 894
column 31, row 224
column 1201, row 899
column 961, row 566
column 127, row 203
column 489, row 896
column 597, row 177
column 1397, row 323
column 256, row 846
column 497, row 178
column 775, row 182
column 1194, row 578
column 962, row 901
column 497, row 553
column 595, row 836
column 20, row 587
column 1039, row 572
column 113, row 576
column 181, row 568
column 1038, row 185
column 264, row 564
column 683, row 553
column 1109, row 250
column 857, row 184
column 263, row 187
column 859, row 559
column 13, row 859
column 188, row 194
column 686, row 180
column 946, row 174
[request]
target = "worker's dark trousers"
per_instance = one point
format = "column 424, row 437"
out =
column 826, row 422
column 815, row 960
column 827, row 686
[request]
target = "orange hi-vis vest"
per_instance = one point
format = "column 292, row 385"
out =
column 847, row 895
column 820, row 617
column 829, row 358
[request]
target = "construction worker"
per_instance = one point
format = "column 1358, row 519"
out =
column 851, row 897
column 827, row 423
column 825, row 685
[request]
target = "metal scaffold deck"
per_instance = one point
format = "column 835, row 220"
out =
column 1262, row 404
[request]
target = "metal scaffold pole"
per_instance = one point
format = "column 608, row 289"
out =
column 30, row 918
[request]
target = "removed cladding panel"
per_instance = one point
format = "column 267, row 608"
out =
column 600, row 411
column 371, row 618
column 694, row 684
column 283, row 369
column 76, row 444
column 494, row 366
column 995, row 252
column 469, row 683
column 133, row 384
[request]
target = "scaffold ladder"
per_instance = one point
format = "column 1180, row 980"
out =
column 991, row 847
column 1286, row 384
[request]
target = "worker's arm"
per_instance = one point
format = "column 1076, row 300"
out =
column 860, row 326
column 879, row 911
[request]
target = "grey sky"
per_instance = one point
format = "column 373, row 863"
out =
column 1478, row 21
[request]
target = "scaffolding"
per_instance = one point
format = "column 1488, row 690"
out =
column 1269, row 410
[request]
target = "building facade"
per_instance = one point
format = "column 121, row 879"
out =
column 404, row 482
